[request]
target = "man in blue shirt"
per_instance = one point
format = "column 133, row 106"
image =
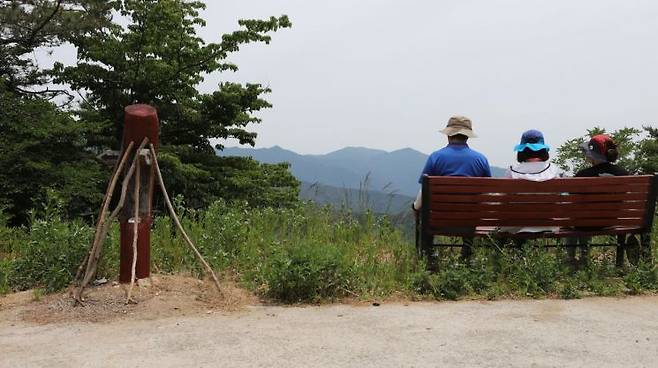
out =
column 456, row 159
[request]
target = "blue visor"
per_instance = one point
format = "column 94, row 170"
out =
column 533, row 146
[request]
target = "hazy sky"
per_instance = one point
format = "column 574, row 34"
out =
column 389, row 74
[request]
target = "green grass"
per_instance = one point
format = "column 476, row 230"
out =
column 313, row 254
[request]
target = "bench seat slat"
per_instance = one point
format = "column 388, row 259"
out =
column 563, row 233
column 545, row 187
column 536, row 198
column 538, row 215
column 535, row 207
column 439, row 223
column 504, row 182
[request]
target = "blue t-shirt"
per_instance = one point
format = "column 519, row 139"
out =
column 456, row 160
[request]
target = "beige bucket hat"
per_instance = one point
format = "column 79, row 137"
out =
column 459, row 125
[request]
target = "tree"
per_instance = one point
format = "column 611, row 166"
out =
column 203, row 179
column 26, row 26
column 638, row 150
column 648, row 151
column 571, row 158
column 41, row 146
column 159, row 59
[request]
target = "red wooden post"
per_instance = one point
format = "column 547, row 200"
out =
column 140, row 121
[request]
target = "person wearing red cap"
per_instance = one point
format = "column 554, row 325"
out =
column 602, row 153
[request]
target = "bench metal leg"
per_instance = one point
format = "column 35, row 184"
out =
column 621, row 246
column 419, row 248
column 584, row 251
column 645, row 249
column 583, row 244
column 467, row 248
column 427, row 242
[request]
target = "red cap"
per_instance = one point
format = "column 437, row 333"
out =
column 598, row 146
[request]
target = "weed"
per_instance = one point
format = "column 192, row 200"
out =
column 5, row 267
column 51, row 255
column 307, row 273
column 643, row 277
column 312, row 254
column 569, row 290
column 37, row 294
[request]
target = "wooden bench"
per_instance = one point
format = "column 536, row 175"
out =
column 580, row 207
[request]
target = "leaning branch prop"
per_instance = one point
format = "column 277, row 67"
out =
column 172, row 212
column 90, row 263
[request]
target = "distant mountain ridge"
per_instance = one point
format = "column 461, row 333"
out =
column 360, row 168
column 355, row 199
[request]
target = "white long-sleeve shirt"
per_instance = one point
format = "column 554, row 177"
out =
column 533, row 171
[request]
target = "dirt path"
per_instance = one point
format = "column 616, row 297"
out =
column 593, row 332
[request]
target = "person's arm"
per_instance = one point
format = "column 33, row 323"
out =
column 418, row 203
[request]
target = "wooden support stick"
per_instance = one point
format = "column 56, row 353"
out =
column 172, row 212
column 106, row 204
column 92, row 262
column 135, row 228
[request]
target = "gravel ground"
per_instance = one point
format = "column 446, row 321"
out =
column 592, row 332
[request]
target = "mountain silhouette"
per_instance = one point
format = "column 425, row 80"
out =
column 360, row 168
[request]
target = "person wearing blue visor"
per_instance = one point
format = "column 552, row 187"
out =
column 532, row 156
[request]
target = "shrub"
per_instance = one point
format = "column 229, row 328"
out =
column 5, row 267
column 531, row 270
column 643, row 277
column 307, row 273
column 50, row 257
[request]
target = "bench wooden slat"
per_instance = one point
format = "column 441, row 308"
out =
column 590, row 214
column 563, row 233
column 434, row 223
column 535, row 207
column 437, row 199
column 545, row 187
column 495, row 182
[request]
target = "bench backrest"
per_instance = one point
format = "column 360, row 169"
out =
column 627, row 201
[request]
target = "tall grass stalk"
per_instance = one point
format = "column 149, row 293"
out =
column 315, row 254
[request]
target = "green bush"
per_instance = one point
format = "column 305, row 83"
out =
column 307, row 273
column 530, row 271
column 50, row 257
column 312, row 254
column 642, row 278
column 5, row 268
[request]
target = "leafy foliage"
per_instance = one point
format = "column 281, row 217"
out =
column 638, row 150
column 648, row 151
column 311, row 254
column 48, row 258
column 307, row 273
column 203, row 179
column 43, row 148
column 159, row 59
column 571, row 158
column 28, row 25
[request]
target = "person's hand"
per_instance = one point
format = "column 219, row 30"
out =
column 415, row 211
